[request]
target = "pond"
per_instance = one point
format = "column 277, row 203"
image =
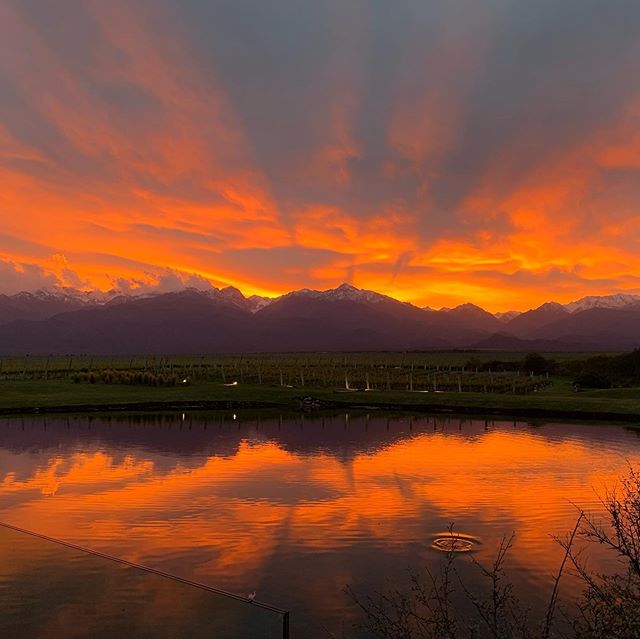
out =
column 295, row 507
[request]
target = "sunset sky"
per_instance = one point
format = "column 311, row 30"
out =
column 439, row 152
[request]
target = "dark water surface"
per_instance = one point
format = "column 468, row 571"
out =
column 297, row 507
column 50, row 590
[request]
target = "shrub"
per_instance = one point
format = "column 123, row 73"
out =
column 608, row 609
column 538, row 365
column 592, row 380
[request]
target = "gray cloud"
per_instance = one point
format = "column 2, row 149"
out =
column 368, row 107
column 166, row 281
column 17, row 277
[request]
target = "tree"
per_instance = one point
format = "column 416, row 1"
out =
column 538, row 365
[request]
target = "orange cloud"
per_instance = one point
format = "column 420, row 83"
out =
column 416, row 159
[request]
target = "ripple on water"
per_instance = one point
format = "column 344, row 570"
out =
column 454, row 542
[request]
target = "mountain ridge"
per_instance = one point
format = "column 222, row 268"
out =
column 343, row 318
column 343, row 291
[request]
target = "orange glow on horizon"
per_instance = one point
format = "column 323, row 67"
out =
column 130, row 155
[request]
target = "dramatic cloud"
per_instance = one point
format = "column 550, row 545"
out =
column 25, row 277
column 438, row 152
column 169, row 281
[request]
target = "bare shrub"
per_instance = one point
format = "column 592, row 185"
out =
column 609, row 607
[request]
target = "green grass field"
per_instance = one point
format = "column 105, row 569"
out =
column 420, row 381
column 553, row 400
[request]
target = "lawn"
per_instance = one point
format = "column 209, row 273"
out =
column 557, row 399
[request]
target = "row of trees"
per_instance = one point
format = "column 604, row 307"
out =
column 607, row 371
column 531, row 364
column 599, row 371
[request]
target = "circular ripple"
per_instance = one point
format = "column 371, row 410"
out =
column 454, row 542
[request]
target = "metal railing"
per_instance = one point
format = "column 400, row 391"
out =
column 65, row 574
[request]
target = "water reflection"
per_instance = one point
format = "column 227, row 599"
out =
column 295, row 507
column 82, row 595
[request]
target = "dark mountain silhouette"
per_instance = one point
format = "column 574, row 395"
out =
column 344, row 318
column 300, row 322
column 526, row 324
column 472, row 315
column 34, row 306
column 604, row 328
column 200, row 322
column 504, row 342
column 186, row 322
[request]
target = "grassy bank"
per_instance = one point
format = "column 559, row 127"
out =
column 555, row 400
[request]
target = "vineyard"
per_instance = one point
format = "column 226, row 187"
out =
column 413, row 372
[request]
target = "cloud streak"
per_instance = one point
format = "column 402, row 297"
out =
column 438, row 153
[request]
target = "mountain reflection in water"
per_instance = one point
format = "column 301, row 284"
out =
column 296, row 507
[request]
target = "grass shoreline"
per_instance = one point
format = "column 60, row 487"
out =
column 63, row 396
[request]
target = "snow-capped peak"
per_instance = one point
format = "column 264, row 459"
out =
column 232, row 294
column 348, row 292
column 617, row 300
column 344, row 292
column 257, row 302
column 63, row 294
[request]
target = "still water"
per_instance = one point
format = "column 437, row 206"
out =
column 297, row 507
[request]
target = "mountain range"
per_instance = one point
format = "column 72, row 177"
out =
column 340, row 319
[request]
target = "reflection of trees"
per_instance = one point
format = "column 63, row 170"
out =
column 206, row 435
column 187, row 440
